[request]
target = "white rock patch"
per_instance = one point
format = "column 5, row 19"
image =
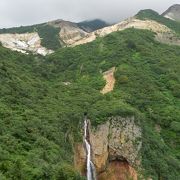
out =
column 24, row 43
column 169, row 16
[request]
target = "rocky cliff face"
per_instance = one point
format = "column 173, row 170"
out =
column 115, row 149
column 119, row 170
column 173, row 13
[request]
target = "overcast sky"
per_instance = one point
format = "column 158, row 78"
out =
column 27, row 12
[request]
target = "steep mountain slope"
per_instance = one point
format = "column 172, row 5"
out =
column 173, row 12
column 43, row 99
column 60, row 33
column 50, row 36
column 150, row 14
column 167, row 31
column 163, row 33
column 69, row 32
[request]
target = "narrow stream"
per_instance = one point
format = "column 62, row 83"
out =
column 91, row 172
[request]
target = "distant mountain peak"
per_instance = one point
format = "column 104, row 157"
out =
column 92, row 25
column 174, row 6
column 173, row 12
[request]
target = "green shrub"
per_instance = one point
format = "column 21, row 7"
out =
column 175, row 126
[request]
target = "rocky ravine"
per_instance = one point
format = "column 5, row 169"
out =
column 24, row 43
column 115, row 149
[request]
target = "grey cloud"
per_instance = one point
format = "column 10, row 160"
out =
column 26, row 12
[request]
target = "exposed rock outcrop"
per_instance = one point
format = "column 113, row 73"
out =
column 151, row 25
column 69, row 31
column 119, row 170
column 24, row 43
column 168, row 38
column 99, row 139
column 71, row 34
column 116, row 148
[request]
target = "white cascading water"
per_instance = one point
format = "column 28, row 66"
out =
column 91, row 174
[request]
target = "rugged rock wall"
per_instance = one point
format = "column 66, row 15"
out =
column 116, row 149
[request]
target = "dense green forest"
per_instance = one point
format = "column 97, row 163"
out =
column 41, row 114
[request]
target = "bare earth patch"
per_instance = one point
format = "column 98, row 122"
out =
column 110, row 81
column 24, row 43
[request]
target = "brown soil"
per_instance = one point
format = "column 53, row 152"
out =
column 110, row 81
column 118, row 170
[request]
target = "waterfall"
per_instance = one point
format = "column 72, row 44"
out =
column 91, row 173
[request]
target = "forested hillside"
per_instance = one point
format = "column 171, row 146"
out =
column 43, row 100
